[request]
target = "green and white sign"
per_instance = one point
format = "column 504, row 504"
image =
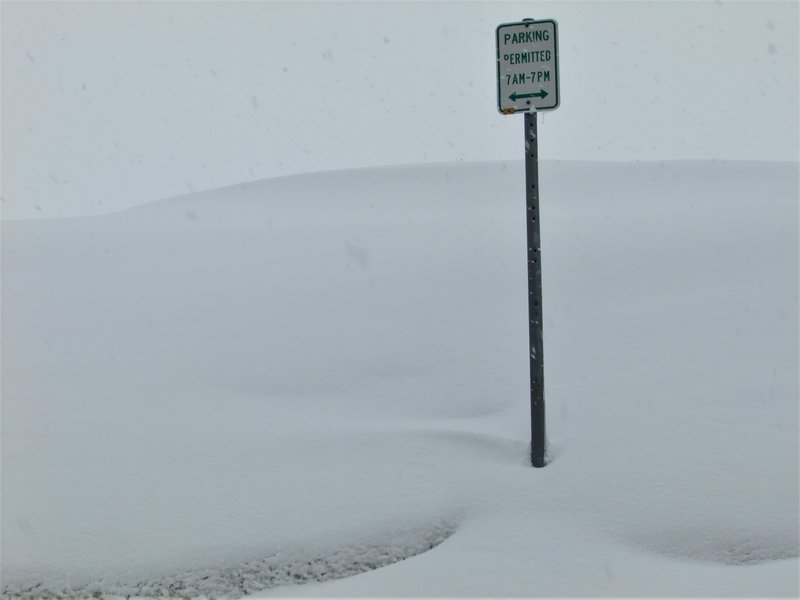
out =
column 527, row 66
